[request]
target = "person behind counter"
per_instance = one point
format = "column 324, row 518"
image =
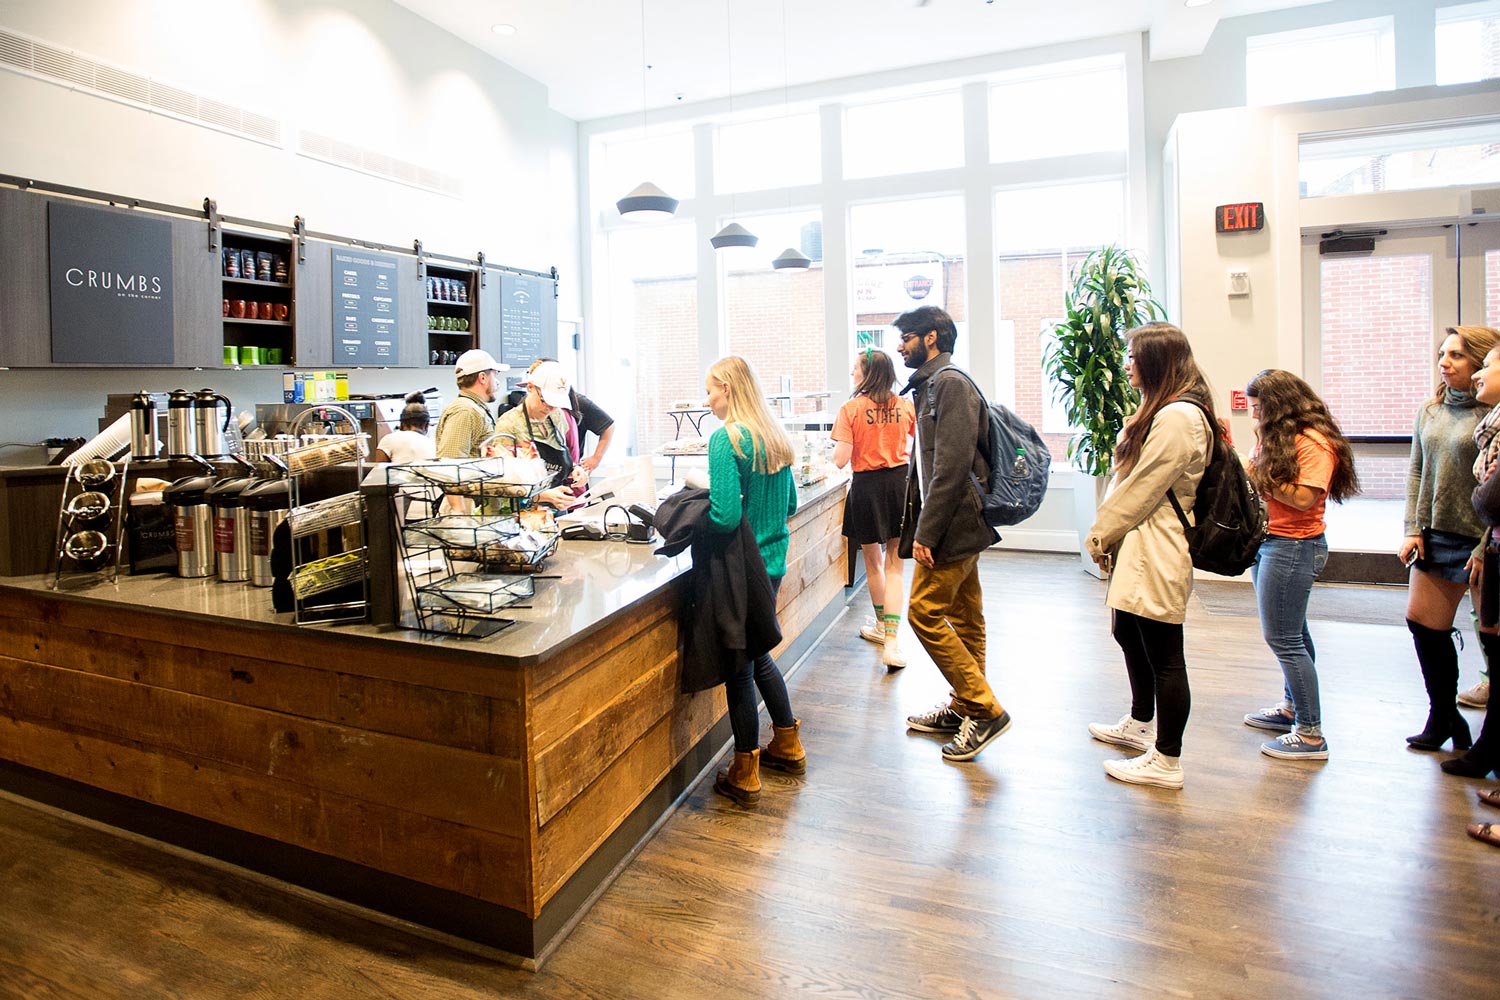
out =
column 588, row 417
column 540, row 426
column 750, row 478
column 466, row 422
column 411, row 442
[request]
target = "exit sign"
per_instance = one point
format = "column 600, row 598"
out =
column 1244, row 217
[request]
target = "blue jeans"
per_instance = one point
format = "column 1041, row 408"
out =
column 1284, row 572
column 764, row 675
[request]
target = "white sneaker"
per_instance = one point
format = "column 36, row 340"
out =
column 1150, row 768
column 890, row 653
column 1477, row 696
column 872, row 631
column 1126, row 733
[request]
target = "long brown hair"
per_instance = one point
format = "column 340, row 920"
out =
column 876, row 376
column 1288, row 406
column 1477, row 341
column 1163, row 358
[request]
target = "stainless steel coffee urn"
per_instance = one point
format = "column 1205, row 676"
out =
column 265, row 503
column 208, row 429
column 192, row 519
column 180, row 443
column 231, row 529
column 143, row 444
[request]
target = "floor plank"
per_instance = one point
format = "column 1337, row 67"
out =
column 888, row 872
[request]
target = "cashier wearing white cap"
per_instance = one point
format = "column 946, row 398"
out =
column 467, row 420
column 540, row 424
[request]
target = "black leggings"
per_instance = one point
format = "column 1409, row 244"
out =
column 760, row 673
column 1158, row 676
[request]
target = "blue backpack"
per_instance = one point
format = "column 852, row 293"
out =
column 1018, row 458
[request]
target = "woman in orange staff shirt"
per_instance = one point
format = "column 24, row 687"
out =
column 874, row 430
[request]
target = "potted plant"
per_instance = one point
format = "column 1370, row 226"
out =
column 1086, row 363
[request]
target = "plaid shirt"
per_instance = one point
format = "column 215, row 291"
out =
column 464, row 423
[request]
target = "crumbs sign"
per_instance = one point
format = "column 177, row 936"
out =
column 111, row 286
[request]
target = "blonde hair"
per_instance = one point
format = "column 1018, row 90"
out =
column 1477, row 341
column 771, row 448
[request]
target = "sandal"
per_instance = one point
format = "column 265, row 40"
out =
column 1487, row 832
column 1490, row 798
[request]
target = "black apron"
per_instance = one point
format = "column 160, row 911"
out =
column 558, row 461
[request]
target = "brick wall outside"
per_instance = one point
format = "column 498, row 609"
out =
column 776, row 323
column 1377, row 353
column 1031, row 290
column 666, row 361
column 1492, row 285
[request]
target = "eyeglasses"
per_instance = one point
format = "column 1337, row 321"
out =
column 911, row 336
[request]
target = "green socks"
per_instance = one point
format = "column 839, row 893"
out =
column 890, row 622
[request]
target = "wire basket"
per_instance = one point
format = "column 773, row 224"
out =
column 470, row 531
column 330, row 451
column 335, row 512
column 474, row 593
column 523, row 552
column 329, row 573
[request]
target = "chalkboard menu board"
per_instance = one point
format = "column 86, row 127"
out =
column 111, row 286
column 364, row 309
column 528, row 320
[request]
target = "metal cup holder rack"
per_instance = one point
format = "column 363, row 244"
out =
column 464, row 569
column 330, row 575
column 90, row 522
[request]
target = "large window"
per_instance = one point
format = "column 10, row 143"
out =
column 1040, row 236
column 907, row 254
column 1468, row 42
column 1059, row 111
column 1429, row 156
column 775, row 318
column 768, row 154
column 1355, row 57
column 904, row 136
column 653, row 315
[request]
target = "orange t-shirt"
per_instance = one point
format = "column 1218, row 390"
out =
column 881, row 435
column 1315, row 465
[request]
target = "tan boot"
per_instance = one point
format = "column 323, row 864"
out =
column 784, row 752
column 741, row 780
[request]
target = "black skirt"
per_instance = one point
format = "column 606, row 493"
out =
column 872, row 514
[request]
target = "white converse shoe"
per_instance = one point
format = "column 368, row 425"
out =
column 872, row 631
column 1126, row 733
column 890, row 653
column 1150, row 768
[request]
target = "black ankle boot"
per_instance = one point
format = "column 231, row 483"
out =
column 1439, row 662
column 1484, row 756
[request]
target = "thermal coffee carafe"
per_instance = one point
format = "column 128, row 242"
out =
column 231, row 529
column 265, row 503
column 180, row 440
column 208, row 429
column 192, row 519
column 143, row 444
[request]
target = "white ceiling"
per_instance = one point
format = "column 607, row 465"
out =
column 588, row 52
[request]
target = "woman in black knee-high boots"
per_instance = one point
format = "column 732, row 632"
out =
column 1442, row 531
column 1484, row 756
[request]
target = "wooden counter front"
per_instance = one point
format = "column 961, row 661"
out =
column 444, row 781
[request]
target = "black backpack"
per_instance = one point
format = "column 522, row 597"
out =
column 1018, row 458
column 1229, row 517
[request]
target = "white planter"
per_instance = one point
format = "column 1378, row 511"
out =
column 1088, row 492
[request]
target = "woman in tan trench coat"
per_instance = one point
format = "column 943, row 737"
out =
column 1138, row 537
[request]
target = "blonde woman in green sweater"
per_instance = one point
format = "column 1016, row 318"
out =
column 750, row 478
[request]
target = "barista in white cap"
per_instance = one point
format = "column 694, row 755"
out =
column 467, row 420
column 539, row 424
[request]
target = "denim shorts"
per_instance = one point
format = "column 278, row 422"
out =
column 1447, row 555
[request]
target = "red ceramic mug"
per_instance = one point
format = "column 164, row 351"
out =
column 281, row 311
column 226, row 307
column 237, row 308
column 252, row 310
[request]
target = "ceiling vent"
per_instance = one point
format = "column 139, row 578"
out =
column 368, row 161
column 42, row 61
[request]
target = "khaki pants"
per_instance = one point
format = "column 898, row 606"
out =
column 946, row 612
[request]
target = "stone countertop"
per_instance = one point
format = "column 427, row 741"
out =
column 584, row 585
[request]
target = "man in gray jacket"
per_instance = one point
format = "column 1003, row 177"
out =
column 945, row 532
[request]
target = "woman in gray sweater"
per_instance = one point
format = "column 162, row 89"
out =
column 1442, row 530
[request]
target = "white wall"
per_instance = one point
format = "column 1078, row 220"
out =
column 367, row 72
column 1250, row 154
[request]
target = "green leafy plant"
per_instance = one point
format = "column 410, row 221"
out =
column 1087, row 364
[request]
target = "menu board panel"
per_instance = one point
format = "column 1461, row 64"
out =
column 111, row 286
column 364, row 308
column 528, row 320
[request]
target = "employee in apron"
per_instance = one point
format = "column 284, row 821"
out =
column 541, row 425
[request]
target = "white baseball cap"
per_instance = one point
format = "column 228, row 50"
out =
column 551, row 384
column 476, row 361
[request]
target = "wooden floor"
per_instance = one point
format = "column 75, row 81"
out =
column 890, row 873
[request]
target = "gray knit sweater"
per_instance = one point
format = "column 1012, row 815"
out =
column 1440, row 479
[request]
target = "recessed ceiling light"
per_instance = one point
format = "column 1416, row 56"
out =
column 1196, row 3
column 503, row 29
